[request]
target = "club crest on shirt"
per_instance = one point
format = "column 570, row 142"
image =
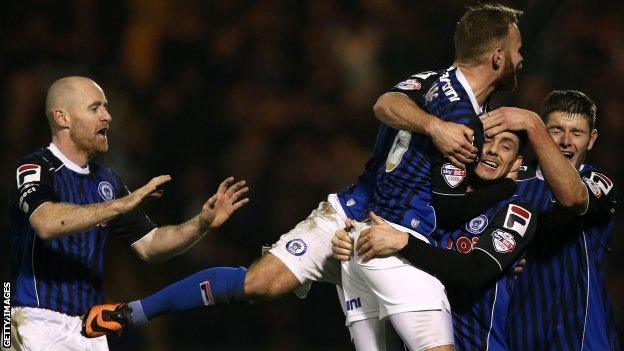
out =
column 106, row 190
column 27, row 173
column 409, row 84
column 296, row 247
column 477, row 224
column 503, row 242
column 452, row 175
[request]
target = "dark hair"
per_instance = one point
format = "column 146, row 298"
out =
column 523, row 139
column 481, row 29
column 570, row 102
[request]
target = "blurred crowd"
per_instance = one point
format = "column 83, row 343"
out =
column 276, row 92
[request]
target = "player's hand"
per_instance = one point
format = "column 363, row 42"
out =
column 222, row 204
column 454, row 141
column 342, row 244
column 147, row 192
column 508, row 119
column 519, row 268
column 380, row 239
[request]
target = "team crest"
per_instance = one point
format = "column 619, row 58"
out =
column 106, row 191
column 477, row 224
column 409, row 84
column 414, row 223
column 296, row 247
column 350, row 202
column 27, row 173
column 452, row 175
column 503, row 242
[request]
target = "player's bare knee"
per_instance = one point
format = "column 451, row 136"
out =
column 268, row 278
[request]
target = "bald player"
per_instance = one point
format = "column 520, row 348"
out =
column 62, row 208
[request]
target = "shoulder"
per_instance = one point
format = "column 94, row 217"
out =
column 35, row 166
column 597, row 179
column 528, row 171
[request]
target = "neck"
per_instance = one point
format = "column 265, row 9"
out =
column 71, row 151
column 481, row 80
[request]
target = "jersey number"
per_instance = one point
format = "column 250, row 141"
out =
column 400, row 145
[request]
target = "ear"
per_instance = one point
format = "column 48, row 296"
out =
column 592, row 139
column 498, row 58
column 517, row 164
column 61, row 117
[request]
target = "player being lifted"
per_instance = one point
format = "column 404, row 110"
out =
column 278, row 278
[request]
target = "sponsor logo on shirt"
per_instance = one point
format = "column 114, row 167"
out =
column 409, row 84
column 603, row 182
column 452, row 175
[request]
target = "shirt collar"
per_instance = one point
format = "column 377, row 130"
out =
column 67, row 162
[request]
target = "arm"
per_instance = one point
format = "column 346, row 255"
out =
column 401, row 109
column 165, row 242
column 558, row 172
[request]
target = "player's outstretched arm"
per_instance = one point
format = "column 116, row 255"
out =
column 165, row 242
column 54, row 219
column 453, row 140
column 558, row 172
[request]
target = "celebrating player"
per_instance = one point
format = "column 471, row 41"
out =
column 560, row 301
column 62, row 209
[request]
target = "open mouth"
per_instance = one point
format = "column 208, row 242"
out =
column 568, row 154
column 102, row 132
column 490, row 164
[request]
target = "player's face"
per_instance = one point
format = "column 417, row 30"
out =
column 513, row 61
column 571, row 133
column 500, row 156
column 89, row 118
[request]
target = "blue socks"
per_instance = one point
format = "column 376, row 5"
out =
column 213, row 286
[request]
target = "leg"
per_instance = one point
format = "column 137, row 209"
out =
column 269, row 278
column 368, row 335
column 425, row 330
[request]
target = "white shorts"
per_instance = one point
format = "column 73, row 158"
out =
column 306, row 249
column 386, row 286
column 40, row 329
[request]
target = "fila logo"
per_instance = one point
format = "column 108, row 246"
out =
column 517, row 219
column 27, row 173
column 353, row 304
column 603, row 182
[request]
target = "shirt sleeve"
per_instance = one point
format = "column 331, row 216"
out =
column 602, row 195
column 133, row 225
column 417, row 86
column 35, row 185
column 498, row 247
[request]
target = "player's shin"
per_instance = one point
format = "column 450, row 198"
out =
column 213, row 286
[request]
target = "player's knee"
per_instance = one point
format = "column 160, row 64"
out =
column 268, row 279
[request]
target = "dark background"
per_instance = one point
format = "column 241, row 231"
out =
column 279, row 93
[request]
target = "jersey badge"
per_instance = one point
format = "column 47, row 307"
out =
column 27, row 173
column 106, row 191
column 350, row 202
column 503, row 242
column 477, row 225
column 452, row 175
column 296, row 247
column 206, row 293
column 594, row 187
column 517, row 219
column 409, row 84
